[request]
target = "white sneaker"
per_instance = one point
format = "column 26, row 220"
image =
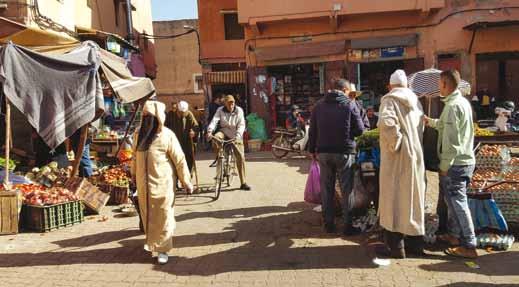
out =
column 162, row 258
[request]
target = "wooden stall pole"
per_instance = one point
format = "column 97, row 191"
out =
column 7, row 142
column 79, row 151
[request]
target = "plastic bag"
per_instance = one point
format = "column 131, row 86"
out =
column 486, row 214
column 359, row 197
column 256, row 127
column 313, row 185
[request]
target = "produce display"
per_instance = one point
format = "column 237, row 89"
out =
column 107, row 134
column 505, row 187
column 479, row 132
column 514, row 162
column 49, row 175
column 39, row 195
column 368, row 139
column 493, row 156
column 511, row 175
column 486, row 174
column 12, row 164
column 116, row 176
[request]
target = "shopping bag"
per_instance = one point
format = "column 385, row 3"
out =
column 313, row 185
column 360, row 196
column 485, row 212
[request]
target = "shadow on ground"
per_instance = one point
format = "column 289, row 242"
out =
column 263, row 240
column 486, row 262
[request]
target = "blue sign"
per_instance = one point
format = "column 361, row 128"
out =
column 392, row 52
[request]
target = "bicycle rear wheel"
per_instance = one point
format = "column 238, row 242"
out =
column 219, row 178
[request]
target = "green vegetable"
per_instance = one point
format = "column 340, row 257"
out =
column 368, row 139
column 12, row 164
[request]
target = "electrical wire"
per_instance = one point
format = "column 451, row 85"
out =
column 160, row 37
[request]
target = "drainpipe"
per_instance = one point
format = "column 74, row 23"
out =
column 129, row 21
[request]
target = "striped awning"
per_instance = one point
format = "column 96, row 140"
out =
column 228, row 77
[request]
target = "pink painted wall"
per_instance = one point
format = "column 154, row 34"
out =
column 215, row 49
column 439, row 31
column 252, row 11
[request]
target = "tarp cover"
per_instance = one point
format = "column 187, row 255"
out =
column 36, row 39
column 126, row 87
column 57, row 94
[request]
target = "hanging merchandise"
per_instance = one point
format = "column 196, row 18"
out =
column 115, row 110
column 256, row 127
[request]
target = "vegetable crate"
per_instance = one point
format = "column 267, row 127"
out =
column 118, row 195
column 9, row 212
column 52, row 217
column 92, row 197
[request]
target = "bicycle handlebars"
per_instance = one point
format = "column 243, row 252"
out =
column 222, row 141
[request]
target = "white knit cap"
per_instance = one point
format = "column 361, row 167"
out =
column 183, row 106
column 398, row 78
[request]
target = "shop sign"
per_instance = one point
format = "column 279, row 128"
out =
column 355, row 55
column 371, row 54
column 392, row 52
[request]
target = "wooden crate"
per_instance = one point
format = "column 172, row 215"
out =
column 9, row 212
column 92, row 197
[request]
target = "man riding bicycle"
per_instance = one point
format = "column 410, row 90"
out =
column 232, row 125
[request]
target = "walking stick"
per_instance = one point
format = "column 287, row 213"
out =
column 194, row 164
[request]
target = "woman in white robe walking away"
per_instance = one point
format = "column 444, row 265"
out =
column 158, row 161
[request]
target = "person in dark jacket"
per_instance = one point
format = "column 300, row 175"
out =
column 213, row 107
column 335, row 122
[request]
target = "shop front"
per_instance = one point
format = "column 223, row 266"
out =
column 371, row 61
column 295, row 74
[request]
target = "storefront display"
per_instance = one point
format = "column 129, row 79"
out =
column 295, row 85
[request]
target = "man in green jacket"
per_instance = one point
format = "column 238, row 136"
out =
column 457, row 161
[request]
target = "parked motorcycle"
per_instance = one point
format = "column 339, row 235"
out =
column 286, row 141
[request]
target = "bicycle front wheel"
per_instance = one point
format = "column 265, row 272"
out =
column 218, row 180
column 231, row 170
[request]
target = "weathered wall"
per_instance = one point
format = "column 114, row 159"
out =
column 252, row 11
column 215, row 49
column 439, row 32
column 177, row 63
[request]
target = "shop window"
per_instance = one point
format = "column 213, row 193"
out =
column 233, row 29
column 198, row 81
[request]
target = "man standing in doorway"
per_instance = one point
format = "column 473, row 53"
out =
column 334, row 124
column 457, row 161
column 232, row 126
column 402, row 169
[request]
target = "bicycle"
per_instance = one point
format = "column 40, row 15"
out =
column 225, row 165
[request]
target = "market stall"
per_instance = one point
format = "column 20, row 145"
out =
column 51, row 197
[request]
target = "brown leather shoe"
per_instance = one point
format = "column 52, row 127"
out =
column 449, row 239
column 462, row 252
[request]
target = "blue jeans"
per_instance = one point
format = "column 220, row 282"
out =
column 331, row 166
column 85, row 164
column 455, row 194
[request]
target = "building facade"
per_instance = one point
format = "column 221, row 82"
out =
column 222, row 41
column 105, row 22
column 293, row 48
column 179, row 74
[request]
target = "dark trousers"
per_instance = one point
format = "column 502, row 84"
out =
column 442, row 212
column 396, row 240
column 333, row 166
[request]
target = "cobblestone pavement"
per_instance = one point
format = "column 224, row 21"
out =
column 264, row 237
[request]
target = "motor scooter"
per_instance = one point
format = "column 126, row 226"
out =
column 289, row 141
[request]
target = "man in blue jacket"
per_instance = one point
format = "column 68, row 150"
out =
column 335, row 122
